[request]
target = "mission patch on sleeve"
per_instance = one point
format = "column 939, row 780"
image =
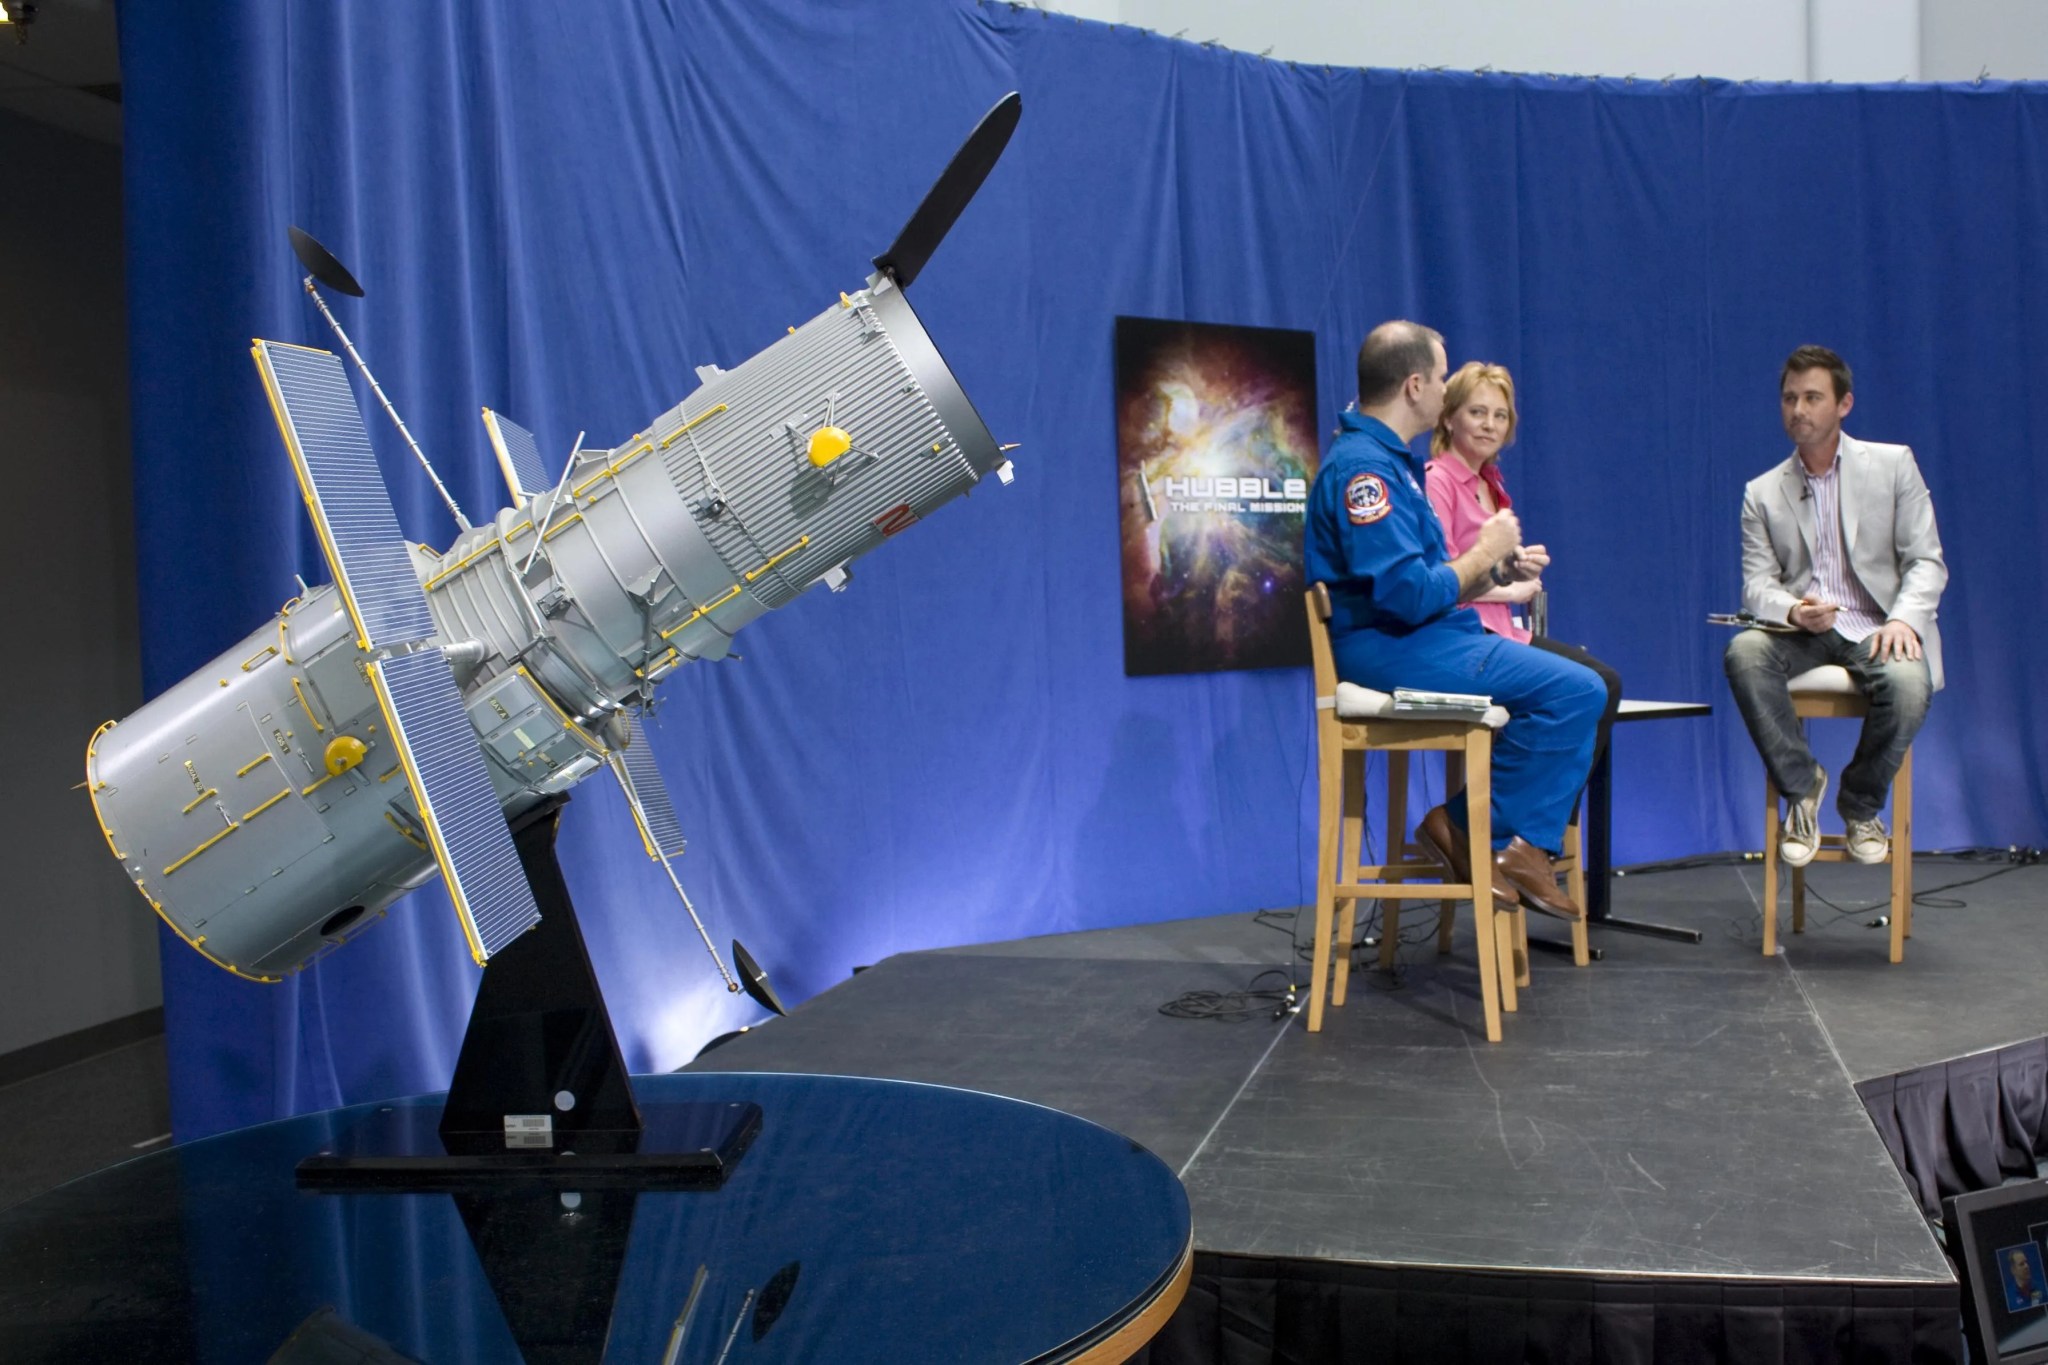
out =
column 1365, row 499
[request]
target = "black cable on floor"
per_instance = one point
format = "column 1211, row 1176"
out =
column 1982, row 854
column 1252, row 1002
column 1276, row 1001
column 1921, row 899
column 1365, row 940
column 1688, row 864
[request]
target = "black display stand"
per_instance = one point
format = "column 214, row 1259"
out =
column 540, row 1096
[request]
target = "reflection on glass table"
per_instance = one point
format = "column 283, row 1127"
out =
column 869, row 1220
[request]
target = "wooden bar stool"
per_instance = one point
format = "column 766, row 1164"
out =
column 1352, row 722
column 1829, row 693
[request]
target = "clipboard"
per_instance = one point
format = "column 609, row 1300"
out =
column 1742, row 620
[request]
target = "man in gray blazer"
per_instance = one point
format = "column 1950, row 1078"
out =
column 1839, row 544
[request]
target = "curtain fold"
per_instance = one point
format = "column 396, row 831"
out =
column 1968, row 1124
column 1248, row 1311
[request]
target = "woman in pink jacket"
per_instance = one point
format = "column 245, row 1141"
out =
column 1465, row 488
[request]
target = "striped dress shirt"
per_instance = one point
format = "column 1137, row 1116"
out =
column 1859, row 616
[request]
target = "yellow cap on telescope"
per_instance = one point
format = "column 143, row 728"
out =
column 343, row 753
column 828, row 444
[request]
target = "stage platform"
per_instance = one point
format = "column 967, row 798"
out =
column 1679, row 1116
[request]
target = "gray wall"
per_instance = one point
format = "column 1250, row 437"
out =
column 79, row 945
column 1961, row 38
column 1775, row 40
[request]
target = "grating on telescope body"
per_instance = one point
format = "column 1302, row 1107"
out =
column 518, row 457
column 345, row 492
column 657, row 814
column 459, row 806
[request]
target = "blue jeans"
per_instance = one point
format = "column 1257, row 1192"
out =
column 1761, row 663
column 1541, row 758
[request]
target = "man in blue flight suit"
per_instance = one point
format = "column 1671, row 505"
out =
column 1396, row 618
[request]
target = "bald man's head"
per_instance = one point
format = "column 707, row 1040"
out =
column 1392, row 352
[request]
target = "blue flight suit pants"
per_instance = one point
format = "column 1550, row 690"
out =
column 1541, row 758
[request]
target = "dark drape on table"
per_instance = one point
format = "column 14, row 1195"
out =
column 1247, row 1311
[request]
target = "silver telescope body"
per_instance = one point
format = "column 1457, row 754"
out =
column 261, row 805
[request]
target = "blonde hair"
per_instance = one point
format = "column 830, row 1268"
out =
column 1459, row 391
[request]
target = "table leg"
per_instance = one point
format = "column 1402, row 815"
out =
column 1600, row 860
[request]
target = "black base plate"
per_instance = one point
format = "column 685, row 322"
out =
column 690, row 1146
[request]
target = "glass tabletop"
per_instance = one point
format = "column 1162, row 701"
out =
column 869, row 1220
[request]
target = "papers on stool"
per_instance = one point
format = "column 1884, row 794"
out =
column 1742, row 620
column 1409, row 701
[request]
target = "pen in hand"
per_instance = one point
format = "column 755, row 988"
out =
column 1813, row 615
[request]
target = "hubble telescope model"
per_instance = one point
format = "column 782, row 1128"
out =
column 383, row 727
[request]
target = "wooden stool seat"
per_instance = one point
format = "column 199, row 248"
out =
column 1358, row 703
column 1829, row 693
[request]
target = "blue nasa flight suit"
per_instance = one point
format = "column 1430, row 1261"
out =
column 1395, row 621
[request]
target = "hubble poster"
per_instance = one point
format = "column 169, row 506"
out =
column 1216, row 447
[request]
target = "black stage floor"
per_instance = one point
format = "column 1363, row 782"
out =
column 1674, row 1110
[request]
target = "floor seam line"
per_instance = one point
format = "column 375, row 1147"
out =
column 1245, row 1085
column 1785, row 959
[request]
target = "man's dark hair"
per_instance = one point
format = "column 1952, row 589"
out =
column 1816, row 358
column 1393, row 351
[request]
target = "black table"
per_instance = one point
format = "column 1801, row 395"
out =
column 1599, row 829
column 869, row 1220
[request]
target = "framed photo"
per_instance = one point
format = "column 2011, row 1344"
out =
column 2019, row 1273
column 1216, row 449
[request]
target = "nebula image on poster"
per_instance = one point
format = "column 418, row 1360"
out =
column 1216, row 448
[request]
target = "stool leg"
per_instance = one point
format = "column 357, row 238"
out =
column 1902, row 857
column 1397, row 851
column 1330, row 764
column 1798, row 900
column 1479, row 820
column 1340, row 948
column 1521, row 947
column 1352, row 865
column 1397, row 806
column 1575, row 885
column 1504, row 950
column 1508, row 932
column 1478, row 784
column 1447, row 911
column 1770, row 868
column 1319, row 962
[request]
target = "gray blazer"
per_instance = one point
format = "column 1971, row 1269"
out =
column 1887, row 528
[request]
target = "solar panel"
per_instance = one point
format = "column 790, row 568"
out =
column 344, row 490
column 458, row 803
column 653, row 811
column 518, row 457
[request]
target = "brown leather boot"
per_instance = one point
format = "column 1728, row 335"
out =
column 1446, row 843
column 1527, row 868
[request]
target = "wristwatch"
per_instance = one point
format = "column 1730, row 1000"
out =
column 1501, row 579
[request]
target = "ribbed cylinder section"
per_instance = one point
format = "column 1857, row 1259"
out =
column 785, row 521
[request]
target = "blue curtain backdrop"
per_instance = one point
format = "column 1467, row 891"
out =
column 560, row 211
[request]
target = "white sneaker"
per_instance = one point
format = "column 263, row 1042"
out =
column 1868, row 842
column 1801, row 837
